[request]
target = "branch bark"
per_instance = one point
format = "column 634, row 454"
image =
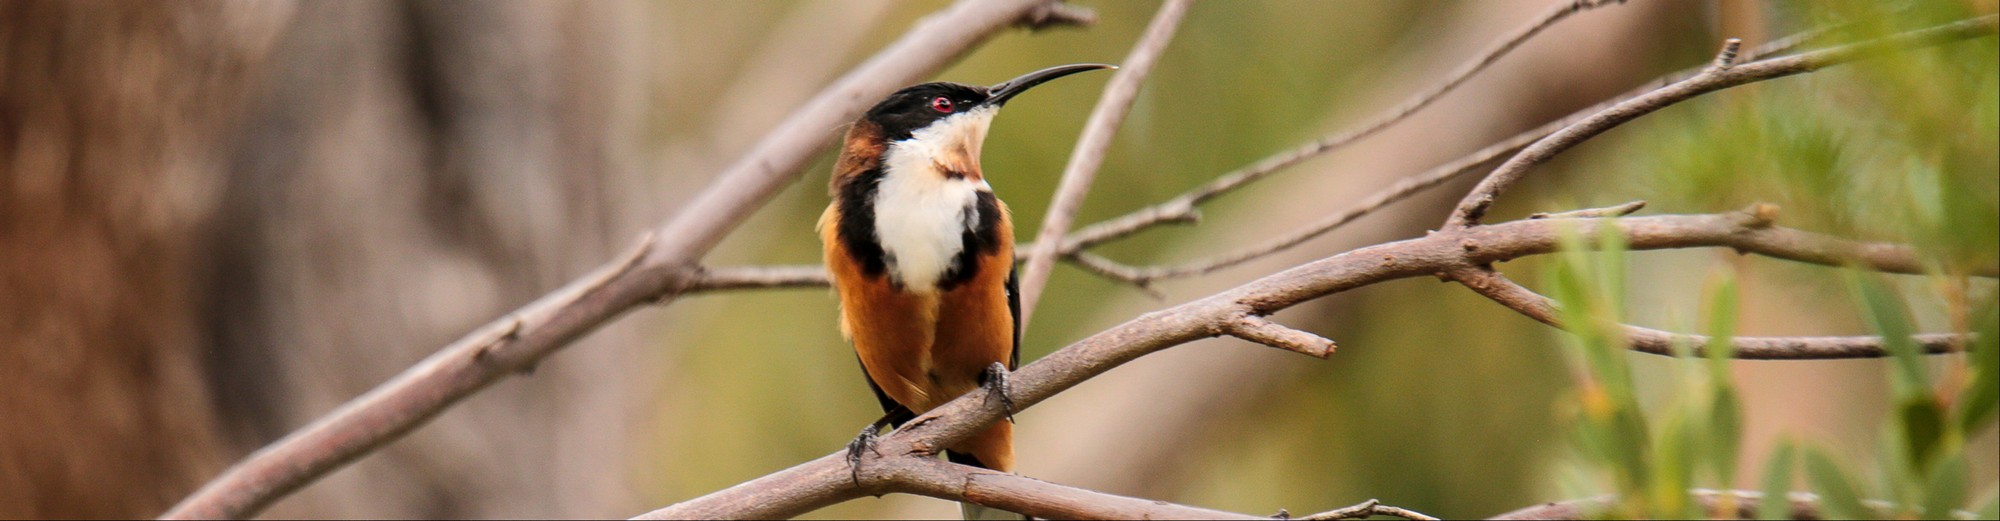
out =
column 1181, row 209
column 1492, row 285
column 1804, row 506
column 1722, row 75
column 826, row 480
column 658, row 268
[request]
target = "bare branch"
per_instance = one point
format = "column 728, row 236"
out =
column 1057, row 14
column 1036, row 498
column 1181, row 209
column 1403, row 189
column 660, row 267
column 759, row 277
column 1497, row 287
column 1720, row 76
column 1609, row 211
column 1111, row 109
column 1367, row 509
column 1262, row 331
column 825, row 480
column 1805, row 505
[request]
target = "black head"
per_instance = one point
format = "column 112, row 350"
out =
column 918, row 106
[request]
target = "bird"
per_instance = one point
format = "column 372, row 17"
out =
column 921, row 256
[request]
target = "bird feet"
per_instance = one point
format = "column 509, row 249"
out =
column 863, row 442
column 995, row 382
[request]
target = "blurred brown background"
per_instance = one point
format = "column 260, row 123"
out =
column 219, row 220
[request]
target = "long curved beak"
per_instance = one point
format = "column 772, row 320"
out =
column 998, row 94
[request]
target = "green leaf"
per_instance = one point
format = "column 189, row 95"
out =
column 1945, row 487
column 1611, row 265
column 1838, row 498
column 1886, row 312
column 1722, row 300
column 1633, row 444
column 1778, row 483
column 1725, row 432
column 1981, row 397
column 1674, row 467
column 1923, row 425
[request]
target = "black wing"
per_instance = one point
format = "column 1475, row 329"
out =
column 1014, row 307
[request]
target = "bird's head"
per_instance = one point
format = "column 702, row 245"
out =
column 941, row 125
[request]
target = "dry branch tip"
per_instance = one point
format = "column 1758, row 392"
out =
column 1058, row 14
column 1727, row 57
column 1608, row 211
column 1256, row 329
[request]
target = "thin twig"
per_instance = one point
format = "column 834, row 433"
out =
column 1367, row 509
column 759, row 277
column 1402, row 189
column 1111, row 109
column 1608, row 211
column 1492, row 285
column 1181, row 209
column 1260, row 330
column 1721, row 76
column 662, row 265
column 1804, row 505
column 1035, row 498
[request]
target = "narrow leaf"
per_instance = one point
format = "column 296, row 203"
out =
column 1725, row 435
column 1886, row 312
column 1922, row 421
column 1778, row 483
column 1722, row 300
column 1981, row 398
column 1945, row 488
column 1838, row 497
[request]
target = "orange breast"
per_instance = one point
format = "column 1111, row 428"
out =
column 923, row 349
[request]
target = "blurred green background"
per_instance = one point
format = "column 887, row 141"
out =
column 391, row 174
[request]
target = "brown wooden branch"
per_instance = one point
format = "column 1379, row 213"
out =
column 1492, row 285
column 923, row 474
column 1402, row 189
column 1804, row 505
column 1364, row 510
column 1033, row 497
column 1111, row 109
column 826, row 480
column 1409, row 186
column 658, row 268
column 759, row 277
column 1181, row 209
column 1263, row 331
column 1722, row 75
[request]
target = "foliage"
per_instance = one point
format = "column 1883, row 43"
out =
column 1653, row 460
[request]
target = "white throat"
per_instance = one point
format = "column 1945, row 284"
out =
column 921, row 213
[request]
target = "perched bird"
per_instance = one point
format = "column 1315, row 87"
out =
column 922, row 256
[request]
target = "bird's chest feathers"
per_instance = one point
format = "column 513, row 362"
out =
column 921, row 220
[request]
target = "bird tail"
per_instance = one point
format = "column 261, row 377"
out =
column 992, row 448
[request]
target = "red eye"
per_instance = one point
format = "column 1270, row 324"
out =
column 941, row 104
